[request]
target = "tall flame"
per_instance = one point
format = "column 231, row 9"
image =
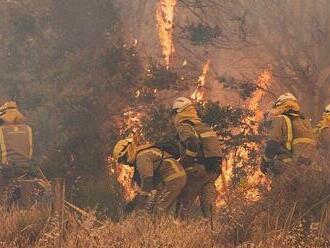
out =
column 199, row 93
column 132, row 127
column 165, row 20
column 263, row 82
column 251, row 192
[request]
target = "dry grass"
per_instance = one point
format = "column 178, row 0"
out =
column 296, row 213
column 22, row 228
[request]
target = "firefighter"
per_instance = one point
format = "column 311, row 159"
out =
column 16, row 153
column 15, row 142
column 291, row 140
column 323, row 133
column 201, row 157
column 160, row 176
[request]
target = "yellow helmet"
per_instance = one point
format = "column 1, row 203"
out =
column 121, row 148
column 9, row 113
column 181, row 103
column 284, row 98
column 8, row 105
column 285, row 103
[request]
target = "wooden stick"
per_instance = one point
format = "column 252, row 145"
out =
column 58, row 208
column 81, row 211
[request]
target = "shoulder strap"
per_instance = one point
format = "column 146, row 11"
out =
column 288, row 144
column 197, row 134
column 192, row 125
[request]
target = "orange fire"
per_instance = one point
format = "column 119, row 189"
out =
column 133, row 127
column 263, row 82
column 124, row 175
column 165, row 20
column 251, row 192
column 199, row 93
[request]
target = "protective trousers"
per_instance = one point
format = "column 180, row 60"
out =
column 173, row 181
column 201, row 182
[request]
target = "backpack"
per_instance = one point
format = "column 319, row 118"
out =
column 210, row 145
column 169, row 147
column 165, row 147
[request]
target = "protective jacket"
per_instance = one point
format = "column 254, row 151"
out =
column 152, row 162
column 197, row 141
column 157, row 169
column 201, row 156
column 291, row 139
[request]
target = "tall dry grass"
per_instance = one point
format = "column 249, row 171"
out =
column 24, row 228
column 295, row 213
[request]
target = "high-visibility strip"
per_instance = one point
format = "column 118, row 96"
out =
column 3, row 148
column 191, row 153
column 177, row 171
column 208, row 134
column 288, row 122
column 174, row 176
column 287, row 160
column 304, row 140
column 192, row 128
column 154, row 151
column 30, row 142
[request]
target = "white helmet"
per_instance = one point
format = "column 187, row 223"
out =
column 327, row 109
column 181, row 103
column 284, row 98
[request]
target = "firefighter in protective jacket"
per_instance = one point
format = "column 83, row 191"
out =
column 19, row 183
column 160, row 176
column 15, row 142
column 291, row 140
column 201, row 157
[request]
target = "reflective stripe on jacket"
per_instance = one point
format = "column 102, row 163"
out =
column 152, row 162
column 295, row 134
column 206, row 143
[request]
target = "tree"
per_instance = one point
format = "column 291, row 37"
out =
column 292, row 37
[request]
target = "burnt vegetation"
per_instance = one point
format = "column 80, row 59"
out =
column 72, row 71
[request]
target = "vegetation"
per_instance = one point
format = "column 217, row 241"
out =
column 69, row 66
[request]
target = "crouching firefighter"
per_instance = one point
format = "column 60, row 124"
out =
column 16, row 153
column 160, row 176
column 323, row 134
column 291, row 140
column 201, row 157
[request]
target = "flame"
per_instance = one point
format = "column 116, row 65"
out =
column 132, row 127
column 165, row 20
column 263, row 82
column 248, row 187
column 124, row 175
column 199, row 93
